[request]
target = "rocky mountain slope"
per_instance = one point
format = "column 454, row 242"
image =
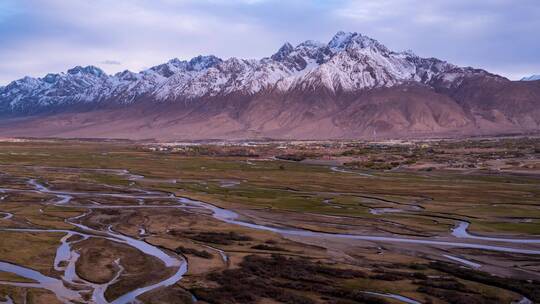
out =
column 350, row 87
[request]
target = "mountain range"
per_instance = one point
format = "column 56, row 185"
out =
column 351, row 87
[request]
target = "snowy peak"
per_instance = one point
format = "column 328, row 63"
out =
column 343, row 40
column 170, row 68
column 302, row 56
column 283, row 52
column 126, row 75
column 340, row 40
column 531, row 78
column 176, row 65
column 88, row 70
column 200, row 63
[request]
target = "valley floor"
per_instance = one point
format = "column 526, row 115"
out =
column 270, row 222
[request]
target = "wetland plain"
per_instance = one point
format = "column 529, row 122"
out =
column 439, row 221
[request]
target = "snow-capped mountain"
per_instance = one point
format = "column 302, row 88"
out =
column 349, row 62
column 353, row 85
column 76, row 85
column 531, row 78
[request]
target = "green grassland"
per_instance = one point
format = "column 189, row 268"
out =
column 487, row 200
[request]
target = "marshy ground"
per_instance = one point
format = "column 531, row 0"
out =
column 296, row 206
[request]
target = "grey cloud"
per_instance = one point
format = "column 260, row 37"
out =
column 52, row 36
column 110, row 62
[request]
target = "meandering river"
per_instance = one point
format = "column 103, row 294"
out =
column 66, row 256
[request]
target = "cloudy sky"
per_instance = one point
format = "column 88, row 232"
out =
column 41, row 36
